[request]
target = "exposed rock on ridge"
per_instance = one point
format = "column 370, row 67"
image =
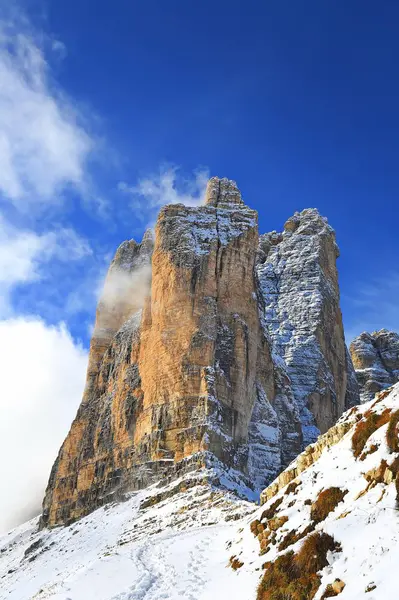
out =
column 376, row 359
column 299, row 284
column 200, row 328
column 344, row 489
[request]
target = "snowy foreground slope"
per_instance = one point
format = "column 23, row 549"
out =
column 172, row 549
column 351, row 498
column 178, row 541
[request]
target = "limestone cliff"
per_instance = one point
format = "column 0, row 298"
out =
column 180, row 379
column 299, row 284
column 87, row 467
column 206, row 348
column 376, row 359
column 125, row 288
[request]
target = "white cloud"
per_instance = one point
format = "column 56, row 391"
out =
column 19, row 254
column 24, row 253
column 166, row 187
column 45, row 149
column 124, row 287
column 43, row 146
column 42, row 380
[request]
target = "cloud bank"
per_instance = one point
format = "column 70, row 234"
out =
column 127, row 288
column 24, row 254
column 44, row 151
column 42, row 374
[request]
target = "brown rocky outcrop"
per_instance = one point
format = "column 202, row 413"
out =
column 186, row 369
column 375, row 357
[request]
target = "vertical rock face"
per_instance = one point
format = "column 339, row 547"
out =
column 299, row 284
column 214, row 351
column 178, row 380
column 100, row 442
column 200, row 327
column 125, row 288
column 375, row 357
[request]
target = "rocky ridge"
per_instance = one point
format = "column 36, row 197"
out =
column 375, row 357
column 210, row 344
column 327, row 529
column 333, row 512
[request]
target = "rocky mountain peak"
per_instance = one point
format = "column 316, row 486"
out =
column 130, row 253
column 308, row 222
column 298, row 280
column 221, row 192
column 204, row 354
column 375, row 357
column 125, row 288
column 147, row 243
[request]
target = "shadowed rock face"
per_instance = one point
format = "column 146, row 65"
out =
column 185, row 363
column 299, row 284
column 99, row 444
column 376, row 359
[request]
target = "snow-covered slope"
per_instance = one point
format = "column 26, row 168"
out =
column 166, row 542
column 329, row 526
column 344, row 488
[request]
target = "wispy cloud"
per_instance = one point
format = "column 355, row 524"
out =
column 44, row 146
column 168, row 186
column 46, row 149
column 24, row 254
column 373, row 305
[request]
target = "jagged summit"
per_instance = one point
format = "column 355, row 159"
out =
column 203, row 350
column 147, row 243
column 308, row 222
column 376, row 359
column 299, row 284
column 125, row 287
column 222, row 191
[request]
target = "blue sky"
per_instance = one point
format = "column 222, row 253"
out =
column 110, row 109
column 295, row 101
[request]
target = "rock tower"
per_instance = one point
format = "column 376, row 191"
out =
column 211, row 344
